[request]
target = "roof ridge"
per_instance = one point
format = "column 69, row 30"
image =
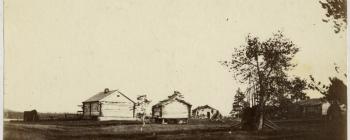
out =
column 125, row 96
column 101, row 95
column 111, row 91
column 169, row 99
column 203, row 106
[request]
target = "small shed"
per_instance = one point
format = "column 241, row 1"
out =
column 172, row 110
column 29, row 116
column 206, row 112
column 109, row 105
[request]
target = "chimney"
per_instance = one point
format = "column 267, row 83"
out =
column 106, row 90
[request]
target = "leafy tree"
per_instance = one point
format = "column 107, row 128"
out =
column 339, row 70
column 142, row 103
column 176, row 94
column 290, row 91
column 336, row 13
column 297, row 88
column 335, row 92
column 238, row 103
column 239, row 99
column 262, row 65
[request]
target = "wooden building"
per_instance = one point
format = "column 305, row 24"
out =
column 236, row 111
column 109, row 105
column 29, row 116
column 172, row 110
column 206, row 112
column 312, row 108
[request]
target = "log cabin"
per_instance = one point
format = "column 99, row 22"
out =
column 172, row 110
column 313, row 108
column 109, row 105
column 309, row 108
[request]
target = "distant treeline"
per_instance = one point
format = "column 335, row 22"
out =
column 9, row 114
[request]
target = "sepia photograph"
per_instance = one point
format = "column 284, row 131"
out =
column 175, row 69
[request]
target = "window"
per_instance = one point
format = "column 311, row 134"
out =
column 95, row 107
column 86, row 107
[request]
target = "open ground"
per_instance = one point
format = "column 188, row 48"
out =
column 290, row 130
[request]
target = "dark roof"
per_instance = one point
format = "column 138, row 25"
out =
column 101, row 95
column 203, row 107
column 163, row 102
column 311, row 102
column 236, row 106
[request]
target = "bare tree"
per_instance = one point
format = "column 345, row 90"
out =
column 142, row 103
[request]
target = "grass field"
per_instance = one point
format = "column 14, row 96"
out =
column 291, row 130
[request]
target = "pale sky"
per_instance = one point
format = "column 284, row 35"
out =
column 60, row 52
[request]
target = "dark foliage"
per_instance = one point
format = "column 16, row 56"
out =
column 239, row 99
column 249, row 118
column 335, row 92
column 336, row 13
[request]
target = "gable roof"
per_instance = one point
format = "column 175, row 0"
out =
column 164, row 102
column 311, row 102
column 101, row 95
column 203, row 107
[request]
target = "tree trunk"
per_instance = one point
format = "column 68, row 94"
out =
column 260, row 110
column 260, row 122
column 143, row 120
column 260, row 113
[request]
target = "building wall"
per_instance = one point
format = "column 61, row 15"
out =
column 95, row 109
column 202, row 113
column 313, row 111
column 118, row 109
column 113, row 107
column 156, row 112
column 325, row 107
column 175, row 109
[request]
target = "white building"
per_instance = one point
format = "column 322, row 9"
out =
column 172, row 110
column 109, row 105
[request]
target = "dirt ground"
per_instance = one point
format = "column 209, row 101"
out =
column 290, row 130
